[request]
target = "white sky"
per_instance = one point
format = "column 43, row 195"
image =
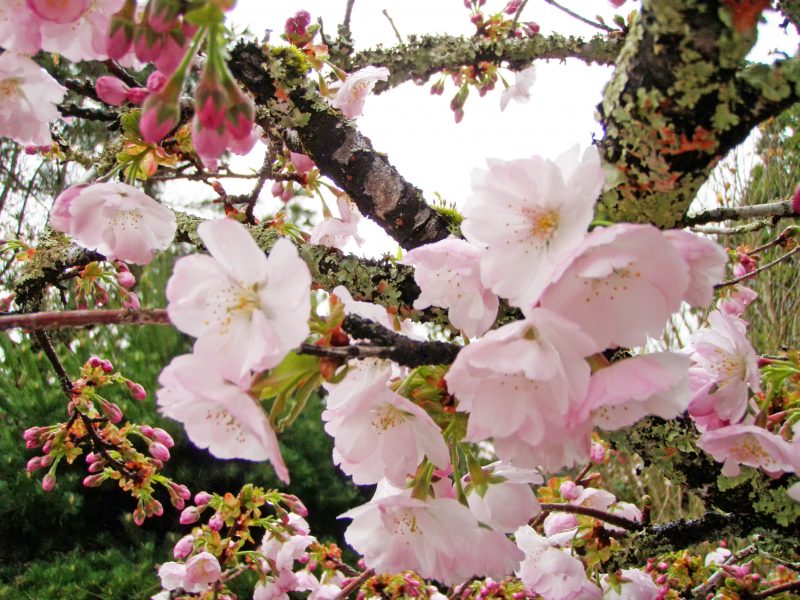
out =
column 417, row 130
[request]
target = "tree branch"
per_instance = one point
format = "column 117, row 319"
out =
column 343, row 154
column 82, row 318
column 737, row 213
column 607, row 517
column 670, row 116
column 423, row 56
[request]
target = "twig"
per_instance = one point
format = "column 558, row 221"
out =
column 579, row 17
column 348, row 13
column 779, row 589
column 769, row 265
column 354, row 584
column 746, row 228
column 81, row 318
column 701, row 590
column 778, row 241
column 786, row 563
column 396, row 33
column 520, row 8
column 738, row 213
column 91, row 114
column 627, row 524
column 116, row 69
column 50, row 353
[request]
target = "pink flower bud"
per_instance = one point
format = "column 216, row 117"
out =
column 157, row 508
column 34, row 464
column 131, row 301
column 597, row 454
column 172, row 54
column 106, row 366
column 119, row 38
column 95, row 361
column 180, row 490
column 215, row 523
column 287, row 194
column 156, row 81
column 183, row 547
column 157, row 119
column 202, row 498
column 111, row 410
column 147, row 44
column 95, row 467
column 159, row 451
column 137, row 95
column 162, row 436
column 276, row 189
column 111, row 90
column 139, row 516
column 93, row 480
column 568, row 490
column 163, row 15
column 796, row 200
column 302, row 163
column 189, row 515
column 48, row 482
column 125, row 278
column 146, row 430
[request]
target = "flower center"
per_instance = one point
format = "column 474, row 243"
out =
column 385, row 417
column 127, row 219
column 9, row 89
column 543, row 223
column 404, row 522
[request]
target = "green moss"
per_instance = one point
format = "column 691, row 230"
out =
column 766, row 497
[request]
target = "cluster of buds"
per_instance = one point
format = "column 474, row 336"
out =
column 299, row 32
column 218, row 551
column 94, row 281
column 159, row 35
column 487, row 589
column 500, row 25
column 294, row 172
column 93, row 429
column 115, row 92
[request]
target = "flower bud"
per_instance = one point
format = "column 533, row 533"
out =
column 137, row 95
column 34, row 464
column 111, row 410
column 202, row 498
column 48, row 482
column 796, row 200
column 159, row 116
column 215, row 523
column 156, row 81
column 131, row 301
column 183, row 547
column 119, row 38
column 159, row 451
column 139, row 516
column 189, row 515
column 180, row 490
column 568, row 490
column 163, row 15
column 277, row 189
column 111, row 90
column 147, row 44
column 302, row 163
column 93, row 480
column 597, row 454
column 162, row 436
column 125, row 279
column 95, row 362
column 106, row 366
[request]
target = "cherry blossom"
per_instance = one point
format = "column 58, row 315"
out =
column 19, row 27
column 194, row 576
column 630, row 274
column 706, row 261
column 283, row 551
column 724, row 369
column 335, row 233
column 374, row 312
column 519, row 383
column 448, row 274
column 530, row 214
column 503, row 499
column 355, row 89
column 520, row 91
column 116, row 219
column 736, row 300
column 550, row 571
column 437, row 538
column 216, row 413
column 28, row 99
column 633, row 585
column 752, row 446
column 59, row 11
column 627, row 390
column 380, row 434
column 83, row 38
column 276, row 588
column 245, row 307
column 794, row 491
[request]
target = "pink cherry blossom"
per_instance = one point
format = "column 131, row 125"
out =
column 706, row 260
column 245, row 307
column 172, row 575
column 724, row 369
column 626, row 510
column 19, row 27
column 438, row 538
column 335, row 233
column 302, row 163
column 630, row 389
column 84, row 38
column 519, row 383
column 283, row 551
column 505, row 501
column 116, row 219
column 216, row 413
column 736, row 299
column 752, row 446
column 112, row 90
column 276, row 588
column 28, row 99
column 520, row 91
column 529, row 214
column 550, row 571
column 717, row 556
column 374, row 312
column 380, row 434
column 355, row 89
column 448, row 274
column 620, row 285
column 558, row 523
column 201, row 570
column 634, row 585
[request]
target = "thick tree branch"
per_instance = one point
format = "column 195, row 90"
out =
column 340, row 151
column 82, row 318
column 423, row 56
column 678, row 101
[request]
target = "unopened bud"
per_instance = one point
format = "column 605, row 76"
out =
column 34, row 464
column 202, row 498
column 112, row 411
column 183, row 547
column 48, row 482
column 162, row 436
column 159, row 451
column 106, row 366
column 95, row 362
column 93, row 480
column 189, row 515
column 215, row 523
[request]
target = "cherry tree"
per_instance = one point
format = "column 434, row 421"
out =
column 494, row 378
